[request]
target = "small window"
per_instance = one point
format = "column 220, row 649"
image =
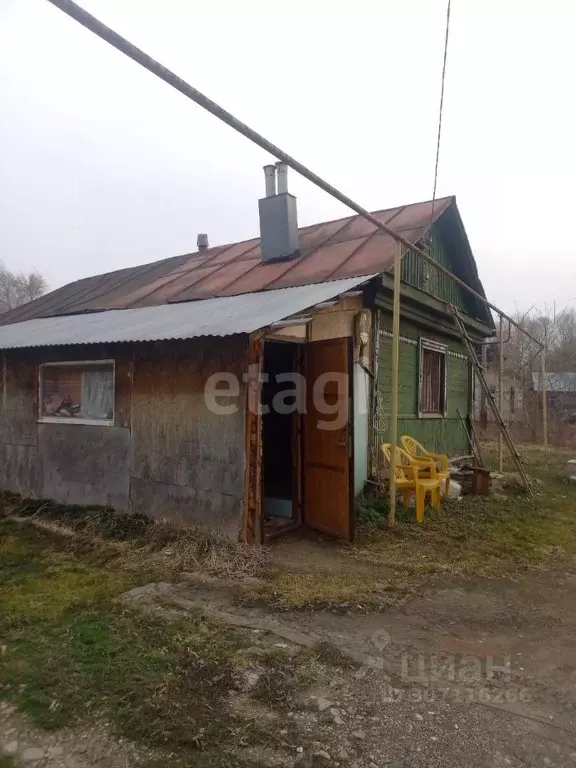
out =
column 77, row 392
column 432, row 379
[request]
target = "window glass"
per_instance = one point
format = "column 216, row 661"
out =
column 432, row 382
column 77, row 391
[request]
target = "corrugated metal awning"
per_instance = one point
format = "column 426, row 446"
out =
column 211, row 317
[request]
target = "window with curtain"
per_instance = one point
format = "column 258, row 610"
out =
column 432, row 379
column 78, row 392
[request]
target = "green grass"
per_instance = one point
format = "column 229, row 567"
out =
column 487, row 535
column 93, row 520
column 74, row 653
column 493, row 535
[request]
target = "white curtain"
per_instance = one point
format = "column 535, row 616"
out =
column 97, row 395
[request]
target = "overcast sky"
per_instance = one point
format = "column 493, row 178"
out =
column 104, row 166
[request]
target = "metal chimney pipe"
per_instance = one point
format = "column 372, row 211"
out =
column 270, row 180
column 282, row 170
column 202, row 242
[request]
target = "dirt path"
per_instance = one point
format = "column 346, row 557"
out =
column 90, row 747
column 306, row 550
column 471, row 673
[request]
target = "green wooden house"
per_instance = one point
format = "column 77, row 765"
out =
column 435, row 376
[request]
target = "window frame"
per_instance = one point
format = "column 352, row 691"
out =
column 73, row 419
column 432, row 346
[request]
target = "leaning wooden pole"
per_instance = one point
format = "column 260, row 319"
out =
column 394, row 383
column 544, row 390
column 501, row 393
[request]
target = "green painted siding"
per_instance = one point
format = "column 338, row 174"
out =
column 420, row 274
column 445, row 435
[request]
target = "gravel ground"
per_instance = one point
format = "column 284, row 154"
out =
column 423, row 691
column 90, row 747
column 474, row 673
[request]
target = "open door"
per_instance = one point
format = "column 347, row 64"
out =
column 327, row 449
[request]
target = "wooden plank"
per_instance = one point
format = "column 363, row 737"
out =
column 415, row 308
column 123, row 390
column 85, row 464
column 326, row 454
column 472, row 441
column 20, row 470
column 176, row 436
column 20, row 401
column 186, row 506
column 252, row 526
column 183, row 435
column 337, row 321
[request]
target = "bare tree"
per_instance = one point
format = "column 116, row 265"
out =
column 20, row 287
column 557, row 331
column 562, row 355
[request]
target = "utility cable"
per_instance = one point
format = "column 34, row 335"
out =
column 128, row 49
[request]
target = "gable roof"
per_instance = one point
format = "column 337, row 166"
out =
column 333, row 250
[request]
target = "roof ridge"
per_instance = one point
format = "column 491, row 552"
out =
column 226, row 246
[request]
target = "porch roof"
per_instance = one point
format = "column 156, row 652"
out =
column 224, row 316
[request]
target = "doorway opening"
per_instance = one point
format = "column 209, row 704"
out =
column 280, row 438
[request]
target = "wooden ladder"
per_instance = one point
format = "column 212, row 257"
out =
column 490, row 397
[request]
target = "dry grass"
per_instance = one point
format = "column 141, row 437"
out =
column 158, row 550
column 167, row 551
column 495, row 535
column 337, row 590
column 483, row 535
column 478, row 535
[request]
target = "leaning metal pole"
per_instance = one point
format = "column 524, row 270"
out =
column 128, row 49
column 394, row 384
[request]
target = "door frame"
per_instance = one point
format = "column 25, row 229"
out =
column 252, row 528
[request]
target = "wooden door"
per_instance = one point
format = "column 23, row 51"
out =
column 327, row 448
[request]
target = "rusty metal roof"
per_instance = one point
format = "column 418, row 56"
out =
column 331, row 250
column 211, row 317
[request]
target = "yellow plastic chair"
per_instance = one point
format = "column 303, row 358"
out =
column 408, row 479
column 426, row 458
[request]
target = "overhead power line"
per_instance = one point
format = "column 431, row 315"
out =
column 124, row 46
column 441, row 109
